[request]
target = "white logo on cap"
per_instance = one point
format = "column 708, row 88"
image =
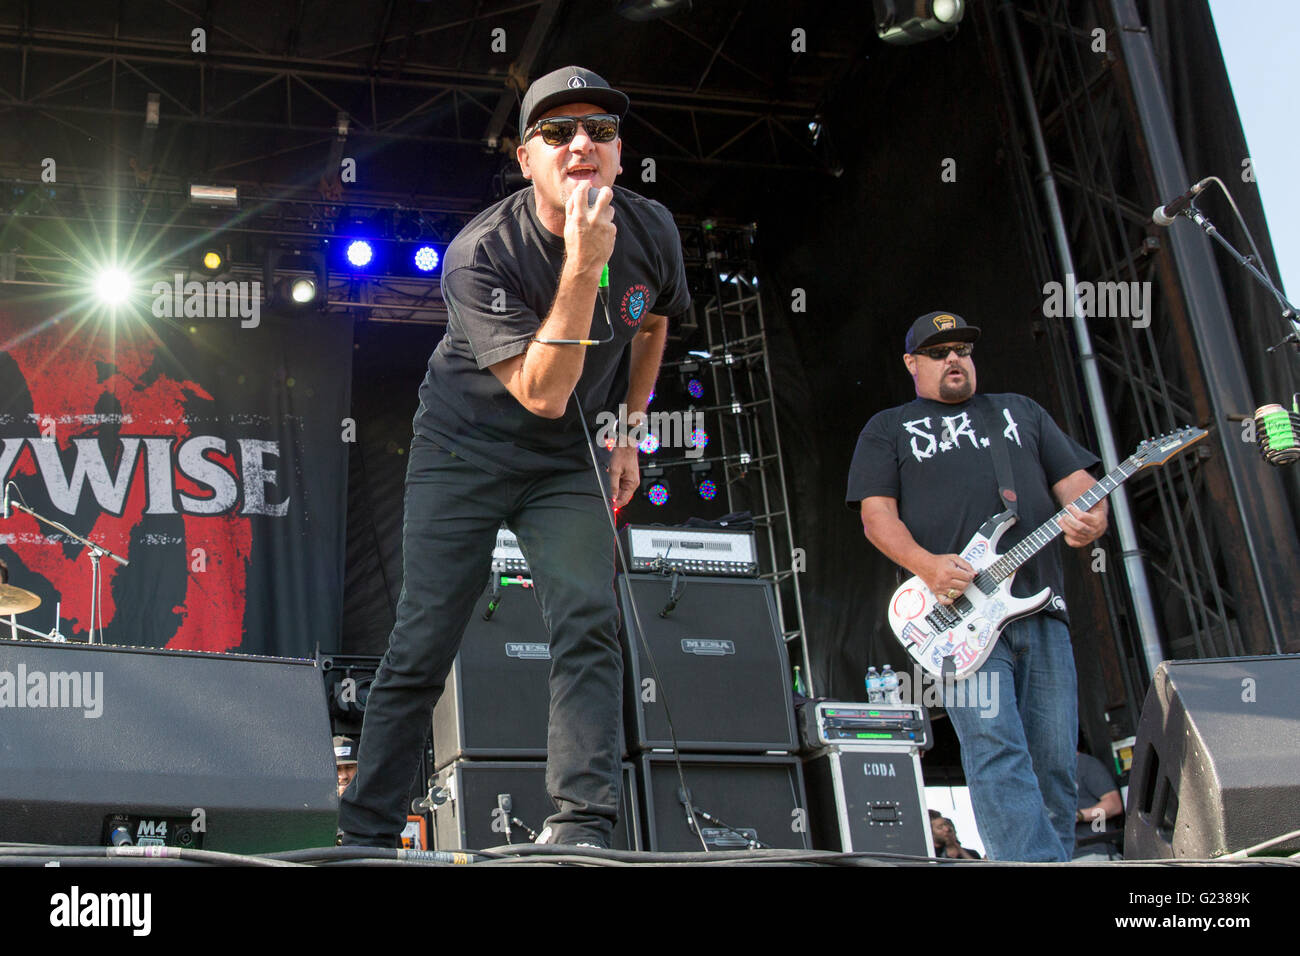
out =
column 576, row 81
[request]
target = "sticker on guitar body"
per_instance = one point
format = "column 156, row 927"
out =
column 914, row 634
column 962, row 654
column 908, row 603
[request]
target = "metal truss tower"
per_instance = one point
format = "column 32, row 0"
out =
column 724, row 280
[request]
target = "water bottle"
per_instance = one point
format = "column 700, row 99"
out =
column 889, row 680
column 875, row 688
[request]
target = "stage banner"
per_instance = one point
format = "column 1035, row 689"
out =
column 210, row 453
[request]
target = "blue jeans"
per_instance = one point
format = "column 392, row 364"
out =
column 1019, row 756
column 452, row 513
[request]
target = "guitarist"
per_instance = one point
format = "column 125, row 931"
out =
column 924, row 480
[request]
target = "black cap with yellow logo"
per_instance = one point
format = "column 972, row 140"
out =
column 939, row 327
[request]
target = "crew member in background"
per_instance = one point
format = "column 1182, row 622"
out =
column 499, row 436
column 345, row 761
column 945, row 839
column 1099, row 823
column 924, row 482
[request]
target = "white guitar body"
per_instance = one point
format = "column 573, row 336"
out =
column 966, row 630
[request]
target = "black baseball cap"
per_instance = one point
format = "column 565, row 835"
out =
column 569, row 84
column 345, row 750
column 939, row 327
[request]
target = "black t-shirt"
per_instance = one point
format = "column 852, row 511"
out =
column 934, row 460
column 1094, row 782
column 500, row 276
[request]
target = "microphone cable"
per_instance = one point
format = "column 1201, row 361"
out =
column 603, row 482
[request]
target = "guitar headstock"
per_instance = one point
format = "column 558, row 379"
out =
column 1157, row 451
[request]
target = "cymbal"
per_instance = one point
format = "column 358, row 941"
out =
column 15, row 600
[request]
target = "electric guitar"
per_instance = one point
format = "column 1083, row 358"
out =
column 966, row 631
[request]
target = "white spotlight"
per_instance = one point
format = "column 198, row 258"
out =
column 112, row 286
column 303, row 290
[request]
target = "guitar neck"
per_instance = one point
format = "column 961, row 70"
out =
column 1046, row 532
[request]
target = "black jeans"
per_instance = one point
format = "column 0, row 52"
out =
column 453, row 511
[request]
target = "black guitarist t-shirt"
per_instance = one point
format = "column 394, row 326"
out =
column 933, row 459
column 500, row 276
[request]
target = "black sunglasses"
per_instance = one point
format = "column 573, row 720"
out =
column 560, row 130
column 940, row 352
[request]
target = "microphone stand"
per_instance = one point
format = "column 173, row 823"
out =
column 1289, row 311
column 95, row 552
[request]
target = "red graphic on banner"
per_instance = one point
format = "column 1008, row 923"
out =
column 71, row 378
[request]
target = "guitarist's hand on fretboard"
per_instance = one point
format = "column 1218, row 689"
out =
column 947, row 576
column 1083, row 527
column 1080, row 528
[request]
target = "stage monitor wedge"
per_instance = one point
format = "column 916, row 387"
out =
column 179, row 748
column 1216, row 766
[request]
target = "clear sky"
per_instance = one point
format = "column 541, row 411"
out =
column 1260, row 39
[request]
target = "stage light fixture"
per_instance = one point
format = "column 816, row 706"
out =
column 360, row 253
column 699, row 438
column 426, row 258
column 648, row 445
column 212, row 261
column 654, row 486
column 904, row 22
column 705, row 486
column 641, row 10
column 302, row 290
column 221, row 197
column 112, row 286
column 692, row 379
column 283, row 277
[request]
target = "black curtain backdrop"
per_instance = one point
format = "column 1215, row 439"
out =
column 235, row 541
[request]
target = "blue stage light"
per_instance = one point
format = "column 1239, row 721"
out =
column 426, row 258
column 360, row 253
column 695, row 387
column 658, row 494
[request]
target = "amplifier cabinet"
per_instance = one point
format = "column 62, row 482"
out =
column 722, row 662
column 497, row 698
column 471, row 816
column 754, row 798
column 497, row 701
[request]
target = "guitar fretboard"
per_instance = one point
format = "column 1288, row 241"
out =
column 1044, row 534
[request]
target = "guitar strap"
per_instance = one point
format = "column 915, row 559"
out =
column 986, row 418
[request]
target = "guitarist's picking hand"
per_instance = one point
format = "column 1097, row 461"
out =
column 949, row 574
column 1082, row 527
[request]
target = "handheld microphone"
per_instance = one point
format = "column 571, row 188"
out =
column 603, row 289
column 602, row 292
column 1165, row 215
